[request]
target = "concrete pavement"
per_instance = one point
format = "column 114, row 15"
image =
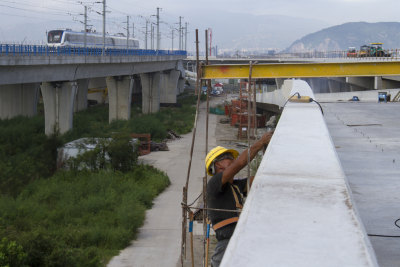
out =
column 367, row 140
column 159, row 239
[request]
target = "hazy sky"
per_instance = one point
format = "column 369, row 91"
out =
column 18, row 18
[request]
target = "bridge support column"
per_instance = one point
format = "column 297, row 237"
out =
column 81, row 95
column 181, row 85
column 58, row 99
column 150, row 92
column 18, row 99
column 377, row 82
column 169, row 87
column 365, row 82
column 279, row 83
column 390, row 84
column 119, row 97
column 334, row 86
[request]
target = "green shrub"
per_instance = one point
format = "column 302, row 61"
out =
column 26, row 153
column 123, row 154
column 11, row 254
column 79, row 218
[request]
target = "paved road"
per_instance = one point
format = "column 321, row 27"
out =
column 158, row 242
column 367, row 140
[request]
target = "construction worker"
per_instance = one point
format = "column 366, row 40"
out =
column 225, row 192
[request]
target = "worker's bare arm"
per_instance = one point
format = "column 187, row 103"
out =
column 241, row 161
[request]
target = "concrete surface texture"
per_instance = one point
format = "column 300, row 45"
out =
column 299, row 211
column 367, row 140
column 158, row 242
column 369, row 96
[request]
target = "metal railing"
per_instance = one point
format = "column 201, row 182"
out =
column 388, row 54
column 44, row 50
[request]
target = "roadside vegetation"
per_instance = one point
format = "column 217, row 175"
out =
column 83, row 216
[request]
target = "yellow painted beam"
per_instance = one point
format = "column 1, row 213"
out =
column 303, row 70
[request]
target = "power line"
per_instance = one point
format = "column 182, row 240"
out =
column 30, row 10
column 25, row 4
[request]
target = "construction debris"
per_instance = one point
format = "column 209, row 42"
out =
column 162, row 146
column 172, row 135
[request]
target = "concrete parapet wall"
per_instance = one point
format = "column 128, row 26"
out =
column 300, row 211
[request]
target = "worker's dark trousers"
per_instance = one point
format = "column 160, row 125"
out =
column 219, row 252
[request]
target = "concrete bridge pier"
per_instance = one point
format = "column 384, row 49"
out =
column 81, row 95
column 279, row 82
column 119, row 97
column 181, row 85
column 58, row 99
column 18, row 99
column 169, row 86
column 377, row 82
column 365, row 82
column 150, row 92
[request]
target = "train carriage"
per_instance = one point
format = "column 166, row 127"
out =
column 68, row 38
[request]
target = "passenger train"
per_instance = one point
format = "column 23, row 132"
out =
column 68, row 38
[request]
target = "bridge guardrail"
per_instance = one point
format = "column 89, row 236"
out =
column 41, row 50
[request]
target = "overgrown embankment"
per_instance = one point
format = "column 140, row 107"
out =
column 77, row 217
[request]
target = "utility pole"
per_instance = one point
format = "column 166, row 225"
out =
column 172, row 37
column 85, row 38
column 186, row 28
column 133, row 30
column 127, row 32
column 158, row 28
column 180, row 33
column 147, row 32
column 152, row 36
column 104, row 28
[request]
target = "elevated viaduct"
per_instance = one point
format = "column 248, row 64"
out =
column 63, row 77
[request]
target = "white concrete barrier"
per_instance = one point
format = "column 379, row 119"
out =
column 299, row 211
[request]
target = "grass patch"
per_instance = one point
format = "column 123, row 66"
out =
column 26, row 153
column 78, row 220
column 93, row 122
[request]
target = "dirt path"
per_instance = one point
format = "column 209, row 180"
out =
column 158, row 242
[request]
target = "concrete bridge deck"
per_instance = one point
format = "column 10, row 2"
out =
column 302, row 211
column 369, row 154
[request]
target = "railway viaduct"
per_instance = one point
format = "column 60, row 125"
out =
column 63, row 78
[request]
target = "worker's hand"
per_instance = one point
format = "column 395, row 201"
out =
column 267, row 137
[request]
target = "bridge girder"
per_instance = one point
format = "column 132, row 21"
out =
column 302, row 70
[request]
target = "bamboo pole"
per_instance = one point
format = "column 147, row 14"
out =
column 185, row 191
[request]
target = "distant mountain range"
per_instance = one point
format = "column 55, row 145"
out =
column 349, row 34
column 236, row 31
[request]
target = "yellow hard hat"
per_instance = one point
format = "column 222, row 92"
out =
column 214, row 153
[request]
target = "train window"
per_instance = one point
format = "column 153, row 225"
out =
column 54, row 36
column 76, row 38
